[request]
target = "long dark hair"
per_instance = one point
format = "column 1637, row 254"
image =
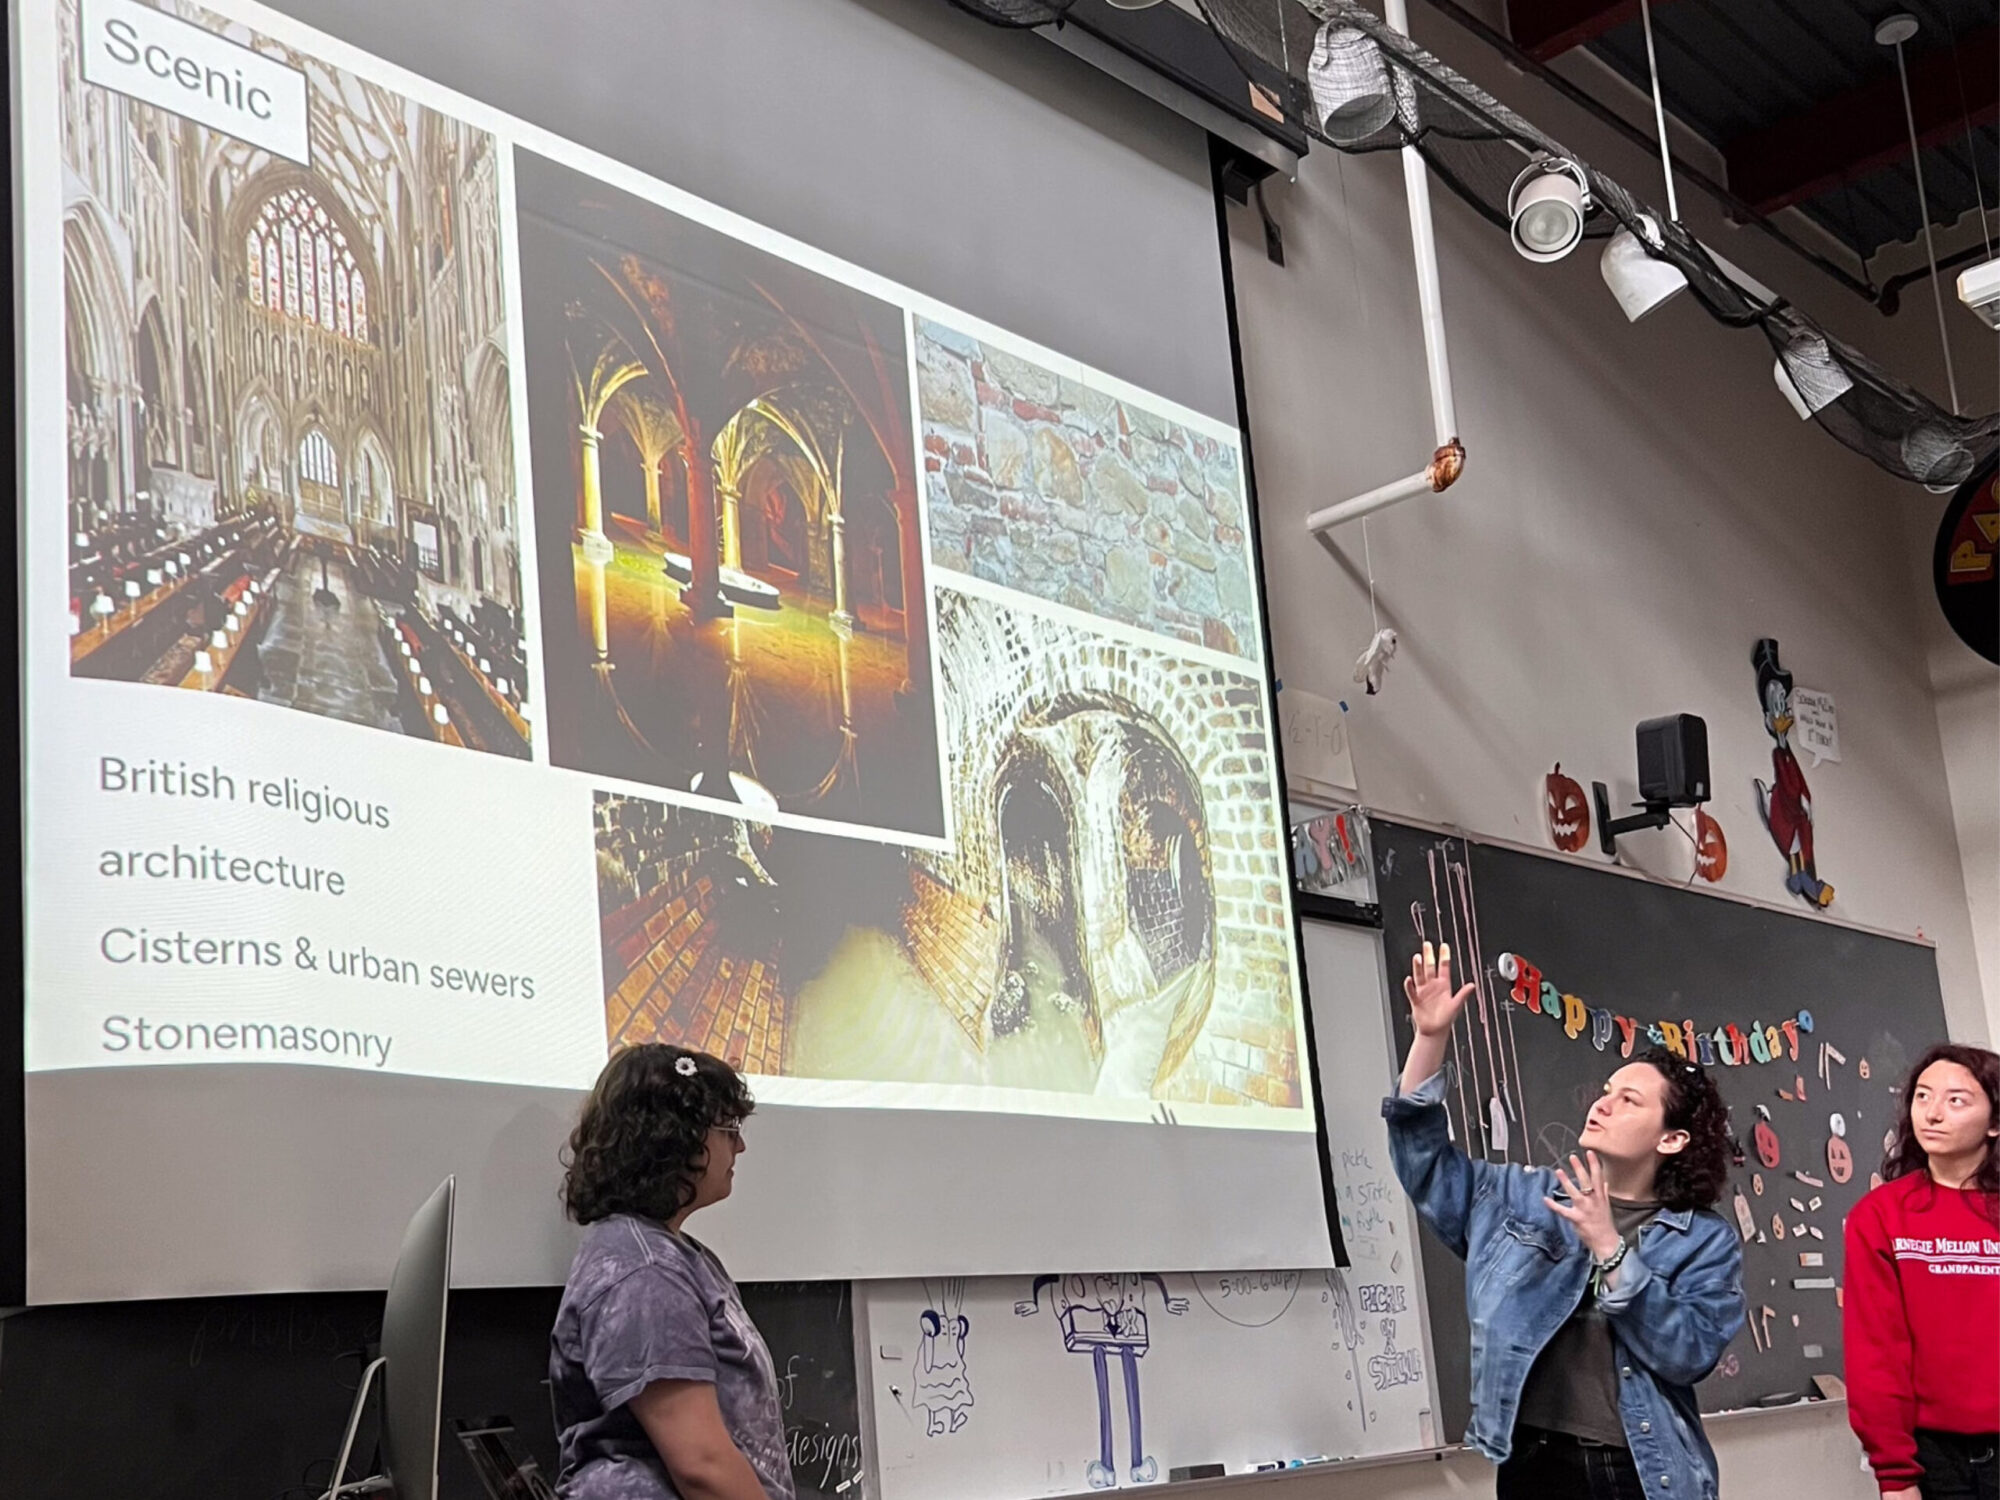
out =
column 1694, row 1176
column 641, row 1142
column 1905, row 1156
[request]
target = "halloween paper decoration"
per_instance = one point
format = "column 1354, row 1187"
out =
column 1777, row 1227
column 1839, row 1160
column 1767, row 1143
column 1711, row 849
column 1786, row 805
column 1836, row 1124
column 1568, row 812
column 1862, row 1067
column 1965, row 564
column 1757, row 1183
column 1744, row 1221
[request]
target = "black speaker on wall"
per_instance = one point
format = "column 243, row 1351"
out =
column 1673, row 760
column 1673, row 772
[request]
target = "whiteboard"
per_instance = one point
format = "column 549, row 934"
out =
column 1024, row 1386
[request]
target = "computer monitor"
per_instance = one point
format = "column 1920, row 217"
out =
column 410, row 1370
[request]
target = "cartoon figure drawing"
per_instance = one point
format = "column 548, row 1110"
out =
column 1786, row 805
column 943, row 1386
column 1106, row 1315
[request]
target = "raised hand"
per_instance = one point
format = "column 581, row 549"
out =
column 1433, row 1005
column 1589, row 1206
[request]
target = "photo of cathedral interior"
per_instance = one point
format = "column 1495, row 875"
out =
column 291, row 462
column 735, row 597
column 1109, row 922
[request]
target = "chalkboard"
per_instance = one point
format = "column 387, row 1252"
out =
column 190, row 1399
column 1846, row 1002
column 810, row 1328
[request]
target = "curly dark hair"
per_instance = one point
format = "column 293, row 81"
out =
column 641, row 1142
column 1694, row 1176
column 1905, row 1156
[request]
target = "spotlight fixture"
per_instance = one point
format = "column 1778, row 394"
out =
column 1547, row 206
column 1350, row 85
column 1640, row 281
column 1809, row 376
column 1978, row 289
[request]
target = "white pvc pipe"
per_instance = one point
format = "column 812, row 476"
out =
column 1374, row 500
column 1423, row 245
column 1437, row 364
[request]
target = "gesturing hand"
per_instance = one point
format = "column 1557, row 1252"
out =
column 1433, row 1006
column 1589, row 1206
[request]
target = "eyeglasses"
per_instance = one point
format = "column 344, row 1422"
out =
column 734, row 1132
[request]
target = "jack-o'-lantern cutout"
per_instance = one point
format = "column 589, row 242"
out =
column 1839, row 1160
column 1757, row 1183
column 1568, row 812
column 1862, row 1067
column 1766, row 1140
column 1777, row 1227
column 1711, row 849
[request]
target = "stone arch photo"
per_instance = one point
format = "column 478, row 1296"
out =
column 291, row 451
column 737, row 592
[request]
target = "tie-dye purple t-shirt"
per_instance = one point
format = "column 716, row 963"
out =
column 644, row 1304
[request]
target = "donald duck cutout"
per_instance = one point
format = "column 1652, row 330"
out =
column 1786, row 805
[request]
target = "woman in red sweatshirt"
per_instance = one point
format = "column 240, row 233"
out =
column 1923, row 1288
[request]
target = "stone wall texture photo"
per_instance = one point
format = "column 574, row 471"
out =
column 1040, row 483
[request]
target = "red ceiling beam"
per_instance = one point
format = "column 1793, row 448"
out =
column 1548, row 28
column 1840, row 138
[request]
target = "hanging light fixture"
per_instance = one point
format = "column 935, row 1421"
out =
column 1547, row 206
column 1937, row 460
column 1640, row 281
column 1809, row 376
column 1350, row 85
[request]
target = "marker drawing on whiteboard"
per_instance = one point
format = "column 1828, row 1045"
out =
column 943, row 1383
column 1101, row 1316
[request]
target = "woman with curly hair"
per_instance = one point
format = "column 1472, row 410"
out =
column 1599, row 1293
column 1922, row 1304
column 663, row 1388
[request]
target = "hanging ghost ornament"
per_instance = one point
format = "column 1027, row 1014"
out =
column 1373, row 663
column 1568, row 811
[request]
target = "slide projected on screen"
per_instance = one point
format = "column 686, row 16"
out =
column 487, row 607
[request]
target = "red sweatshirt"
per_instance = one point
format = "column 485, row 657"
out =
column 1922, row 1319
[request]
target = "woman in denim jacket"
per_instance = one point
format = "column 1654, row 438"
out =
column 1599, row 1295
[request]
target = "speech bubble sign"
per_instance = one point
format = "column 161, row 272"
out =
column 1815, row 730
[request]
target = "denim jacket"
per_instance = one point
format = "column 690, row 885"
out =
column 1677, row 1303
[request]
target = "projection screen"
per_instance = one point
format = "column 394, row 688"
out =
column 720, row 525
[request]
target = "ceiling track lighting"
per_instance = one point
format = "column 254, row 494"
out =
column 1547, row 207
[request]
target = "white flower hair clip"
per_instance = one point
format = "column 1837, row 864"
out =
column 685, row 1066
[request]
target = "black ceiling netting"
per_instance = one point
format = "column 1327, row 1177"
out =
column 1354, row 83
